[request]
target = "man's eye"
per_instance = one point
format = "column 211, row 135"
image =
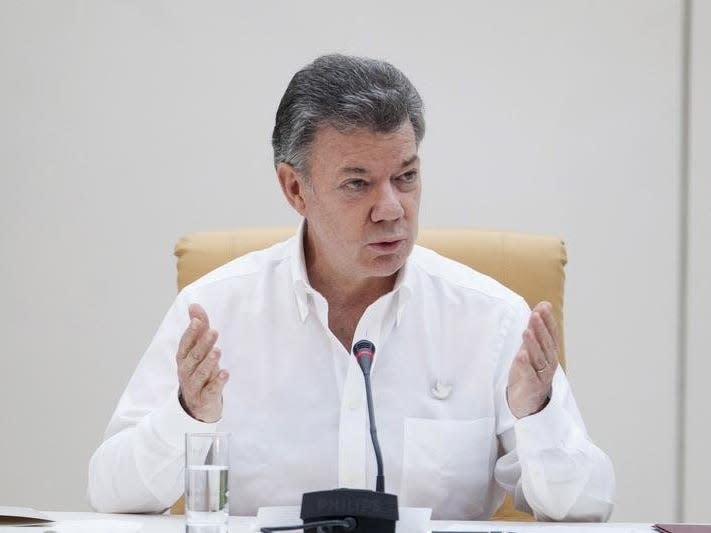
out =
column 408, row 177
column 355, row 185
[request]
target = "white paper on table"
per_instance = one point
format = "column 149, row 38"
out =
column 412, row 519
column 22, row 516
column 277, row 516
column 94, row 526
column 545, row 528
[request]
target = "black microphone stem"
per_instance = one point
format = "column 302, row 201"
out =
column 380, row 480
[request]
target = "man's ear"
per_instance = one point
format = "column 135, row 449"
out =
column 292, row 185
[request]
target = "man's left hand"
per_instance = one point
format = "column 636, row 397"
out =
column 532, row 370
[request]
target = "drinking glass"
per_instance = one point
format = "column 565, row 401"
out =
column 207, row 465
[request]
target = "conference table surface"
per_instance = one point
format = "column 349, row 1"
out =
column 82, row 522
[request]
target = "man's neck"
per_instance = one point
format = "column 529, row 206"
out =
column 348, row 300
column 348, row 292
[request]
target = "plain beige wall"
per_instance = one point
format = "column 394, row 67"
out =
column 124, row 124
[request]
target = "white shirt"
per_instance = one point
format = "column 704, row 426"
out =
column 295, row 404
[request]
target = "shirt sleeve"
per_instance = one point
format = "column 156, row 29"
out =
column 141, row 463
column 550, row 465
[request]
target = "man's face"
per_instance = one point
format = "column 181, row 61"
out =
column 362, row 202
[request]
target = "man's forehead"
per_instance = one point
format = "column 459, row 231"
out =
column 357, row 149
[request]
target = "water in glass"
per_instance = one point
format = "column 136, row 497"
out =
column 206, row 498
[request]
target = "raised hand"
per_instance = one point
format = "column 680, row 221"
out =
column 532, row 370
column 201, row 379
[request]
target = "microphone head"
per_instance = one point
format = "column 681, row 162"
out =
column 364, row 351
column 364, row 348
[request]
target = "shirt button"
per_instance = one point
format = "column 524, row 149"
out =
column 353, row 406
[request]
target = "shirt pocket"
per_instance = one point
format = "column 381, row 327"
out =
column 448, row 465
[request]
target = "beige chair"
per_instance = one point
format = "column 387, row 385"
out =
column 531, row 265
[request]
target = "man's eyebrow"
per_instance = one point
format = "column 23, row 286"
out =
column 353, row 170
column 361, row 171
column 410, row 161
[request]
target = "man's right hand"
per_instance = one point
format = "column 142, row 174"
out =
column 201, row 380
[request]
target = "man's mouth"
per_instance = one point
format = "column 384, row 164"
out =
column 387, row 245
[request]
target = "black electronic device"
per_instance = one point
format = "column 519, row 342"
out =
column 374, row 512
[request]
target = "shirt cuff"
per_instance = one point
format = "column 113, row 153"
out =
column 552, row 427
column 171, row 423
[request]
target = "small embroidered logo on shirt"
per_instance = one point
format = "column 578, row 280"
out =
column 441, row 391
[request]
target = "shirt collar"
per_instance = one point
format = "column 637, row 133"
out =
column 302, row 288
column 403, row 288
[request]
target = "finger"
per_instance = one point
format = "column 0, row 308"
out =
column 522, row 363
column 189, row 337
column 199, row 350
column 535, row 354
column 545, row 340
column 546, row 312
column 198, row 322
column 213, row 388
column 205, row 370
column 542, row 306
column 197, row 311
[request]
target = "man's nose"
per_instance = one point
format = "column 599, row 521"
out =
column 387, row 204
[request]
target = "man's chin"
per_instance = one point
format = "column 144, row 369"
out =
column 387, row 265
column 384, row 263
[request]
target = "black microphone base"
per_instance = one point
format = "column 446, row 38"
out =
column 375, row 512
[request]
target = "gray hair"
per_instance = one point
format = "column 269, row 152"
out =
column 347, row 93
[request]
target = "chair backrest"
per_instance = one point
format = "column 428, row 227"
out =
column 531, row 265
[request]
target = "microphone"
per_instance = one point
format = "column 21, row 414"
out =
column 364, row 352
column 373, row 511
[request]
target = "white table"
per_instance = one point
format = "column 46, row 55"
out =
column 70, row 522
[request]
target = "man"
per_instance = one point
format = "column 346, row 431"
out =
column 469, row 396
